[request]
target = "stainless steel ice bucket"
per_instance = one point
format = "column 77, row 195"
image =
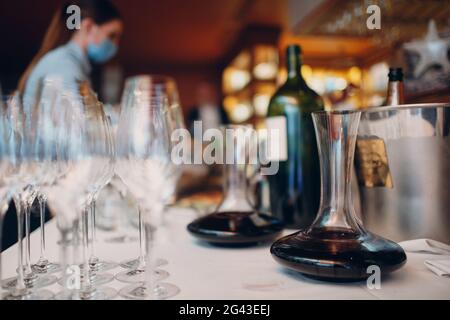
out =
column 402, row 164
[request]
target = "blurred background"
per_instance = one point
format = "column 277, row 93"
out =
column 231, row 51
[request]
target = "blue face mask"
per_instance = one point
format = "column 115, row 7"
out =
column 100, row 53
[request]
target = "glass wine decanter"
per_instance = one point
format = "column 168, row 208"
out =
column 336, row 247
column 235, row 221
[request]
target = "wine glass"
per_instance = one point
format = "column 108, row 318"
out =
column 151, row 85
column 45, row 97
column 36, row 176
column 18, row 179
column 158, row 107
column 104, row 174
column 6, row 168
column 142, row 162
column 74, row 148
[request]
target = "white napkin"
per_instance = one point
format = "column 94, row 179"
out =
column 440, row 267
column 425, row 246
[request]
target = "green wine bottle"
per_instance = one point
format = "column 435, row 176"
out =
column 295, row 188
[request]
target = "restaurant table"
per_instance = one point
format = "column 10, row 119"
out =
column 202, row 271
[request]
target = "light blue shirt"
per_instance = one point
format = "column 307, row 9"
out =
column 67, row 62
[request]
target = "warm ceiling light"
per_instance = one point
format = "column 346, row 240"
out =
column 333, row 83
column 241, row 112
column 238, row 110
column 378, row 76
column 265, row 70
column 354, row 75
column 235, row 79
column 265, row 62
column 317, row 84
column 239, row 79
column 261, row 103
column 340, row 83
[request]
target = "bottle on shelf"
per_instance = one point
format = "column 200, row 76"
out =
column 371, row 158
column 295, row 188
column 395, row 94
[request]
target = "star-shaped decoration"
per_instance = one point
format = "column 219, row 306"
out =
column 432, row 50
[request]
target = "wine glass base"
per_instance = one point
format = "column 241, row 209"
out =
column 134, row 263
column 65, row 242
column 38, row 282
column 122, row 239
column 101, row 265
column 102, row 293
column 96, row 279
column 138, row 275
column 35, row 295
column 50, row 267
column 140, row 291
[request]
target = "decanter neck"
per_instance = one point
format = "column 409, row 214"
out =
column 336, row 136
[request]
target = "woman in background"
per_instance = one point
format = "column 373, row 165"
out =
column 67, row 54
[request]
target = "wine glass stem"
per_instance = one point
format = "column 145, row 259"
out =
column 150, row 236
column 90, row 220
column 142, row 241
column 64, row 256
column 20, row 284
column 86, row 283
column 3, row 208
column 93, row 217
column 42, row 217
column 4, row 204
column 28, row 242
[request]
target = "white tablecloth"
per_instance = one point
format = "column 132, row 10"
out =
column 206, row 272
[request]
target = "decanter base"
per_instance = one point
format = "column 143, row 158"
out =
column 338, row 255
column 236, row 228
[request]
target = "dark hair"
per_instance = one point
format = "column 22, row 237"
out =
column 101, row 11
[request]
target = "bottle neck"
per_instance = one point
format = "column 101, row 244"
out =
column 294, row 65
column 395, row 94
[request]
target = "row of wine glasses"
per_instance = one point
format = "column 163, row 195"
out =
column 150, row 106
column 22, row 177
column 61, row 150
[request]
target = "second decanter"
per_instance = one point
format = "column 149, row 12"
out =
column 235, row 222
